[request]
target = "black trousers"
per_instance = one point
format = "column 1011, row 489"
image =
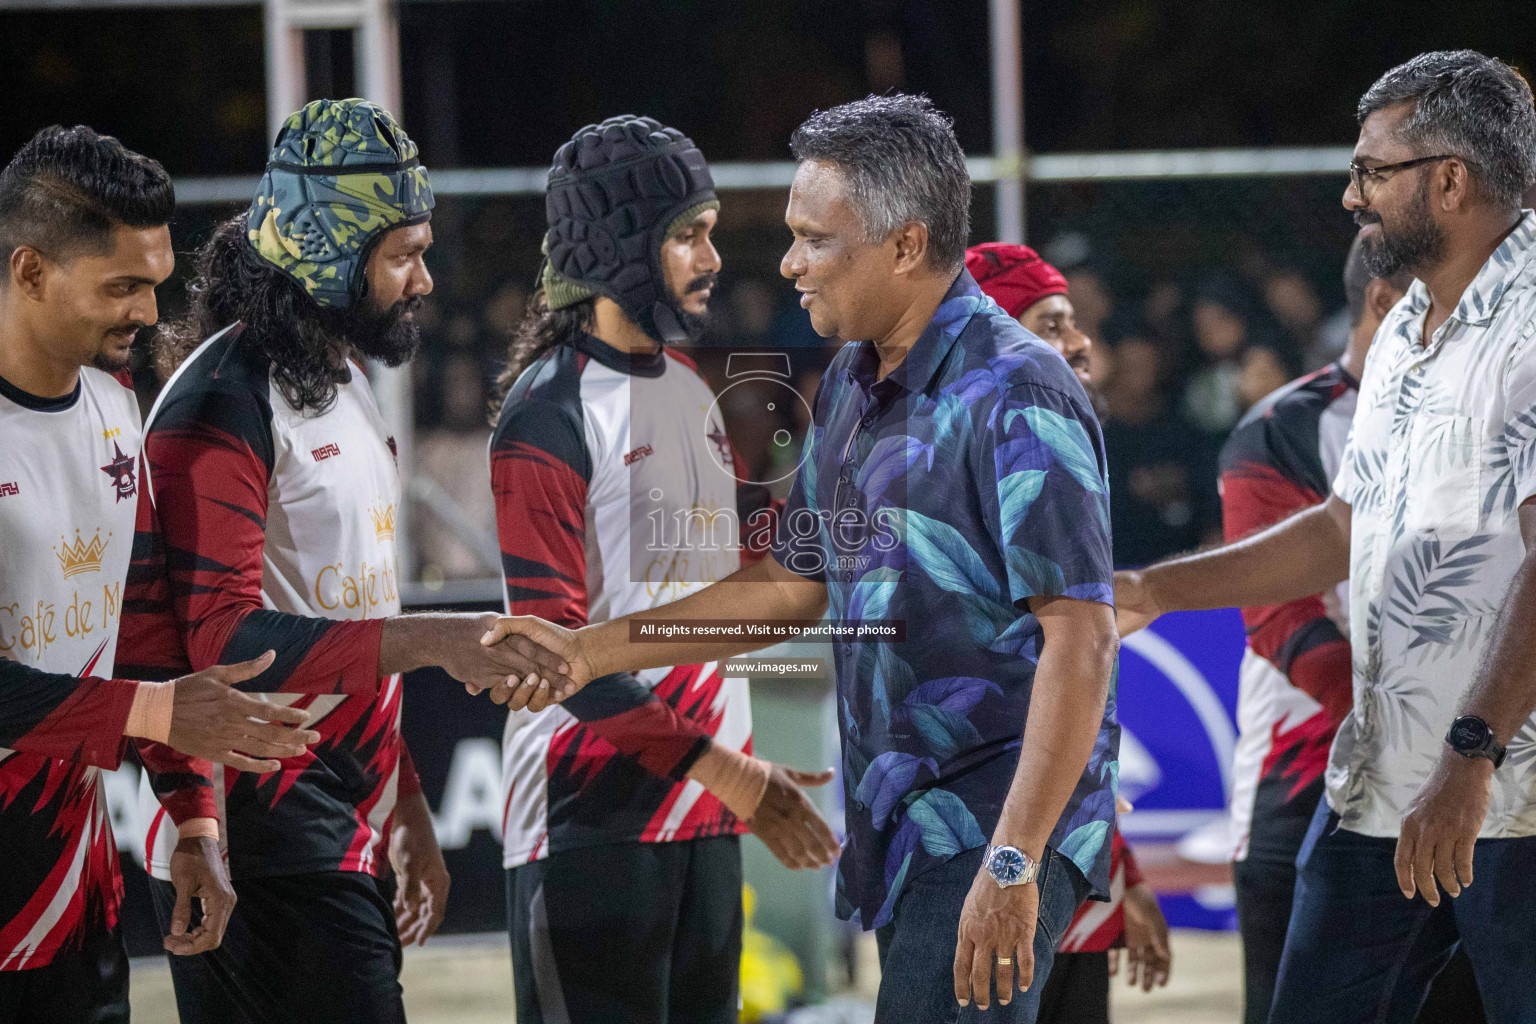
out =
column 1077, row 990
column 86, row 986
column 632, row 933
column 1265, row 889
column 300, row 949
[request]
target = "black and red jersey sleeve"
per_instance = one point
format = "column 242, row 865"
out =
column 149, row 647
column 211, row 456
column 148, row 640
column 1270, row 470
column 540, row 468
column 1122, row 850
column 70, row 718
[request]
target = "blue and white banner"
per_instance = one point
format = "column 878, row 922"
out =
column 1178, row 706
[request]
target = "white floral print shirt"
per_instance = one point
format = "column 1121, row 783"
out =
column 1442, row 453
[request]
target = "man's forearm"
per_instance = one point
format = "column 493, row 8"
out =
column 1297, row 557
column 765, row 590
column 1503, row 692
column 1066, row 708
column 410, row 642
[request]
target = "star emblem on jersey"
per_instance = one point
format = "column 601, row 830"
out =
column 716, row 434
column 121, row 470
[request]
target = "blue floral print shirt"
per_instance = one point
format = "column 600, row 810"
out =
column 940, row 500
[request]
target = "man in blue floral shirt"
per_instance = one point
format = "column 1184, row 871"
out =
column 952, row 486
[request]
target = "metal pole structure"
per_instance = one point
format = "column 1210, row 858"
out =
column 378, row 53
column 285, row 64
column 1008, row 118
column 376, row 36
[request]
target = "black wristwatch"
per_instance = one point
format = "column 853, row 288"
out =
column 1470, row 736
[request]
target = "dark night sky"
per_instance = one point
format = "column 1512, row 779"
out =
column 490, row 83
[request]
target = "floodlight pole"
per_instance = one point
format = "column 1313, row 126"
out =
column 376, row 33
column 1008, row 117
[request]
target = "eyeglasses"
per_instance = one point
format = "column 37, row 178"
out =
column 1359, row 174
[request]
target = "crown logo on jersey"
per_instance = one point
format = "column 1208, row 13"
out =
column 81, row 557
column 383, row 521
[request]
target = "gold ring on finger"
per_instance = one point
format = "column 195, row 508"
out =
column 1005, row 959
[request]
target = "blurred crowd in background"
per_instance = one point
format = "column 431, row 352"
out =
column 1179, row 356
column 1201, row 293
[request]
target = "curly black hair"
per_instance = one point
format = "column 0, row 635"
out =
column 65, row 191
column 540, row 330
column 307, row 344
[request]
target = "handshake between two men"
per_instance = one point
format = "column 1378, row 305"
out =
column 547, row 664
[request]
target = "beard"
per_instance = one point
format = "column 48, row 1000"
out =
column 1418, row 243
column 110, row 362
column 107, row 362
column 385, row 335
column 693, row 324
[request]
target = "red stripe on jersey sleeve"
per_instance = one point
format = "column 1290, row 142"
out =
column 210, row 491
column 148, row 641
column 182, row 784
column 149, row 647
column 1297, row 637
column 64, row 717
column 541, row 522
column 1133, row 876
column 541, row 513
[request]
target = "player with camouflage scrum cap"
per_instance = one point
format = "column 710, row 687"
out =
column 275, row 478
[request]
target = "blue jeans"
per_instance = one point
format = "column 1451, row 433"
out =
column 1359, row 953
column 917, row 949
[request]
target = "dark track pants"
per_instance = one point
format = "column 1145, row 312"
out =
column 300, row 949
column 630, row 933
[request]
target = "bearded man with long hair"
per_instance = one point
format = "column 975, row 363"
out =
column 277, row 486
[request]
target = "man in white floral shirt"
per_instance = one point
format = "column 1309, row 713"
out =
column 1433, row 521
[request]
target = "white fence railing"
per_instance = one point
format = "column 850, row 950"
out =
column 1057, row 167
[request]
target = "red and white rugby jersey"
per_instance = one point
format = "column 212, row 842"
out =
column 616, row 492
column 81, row 590
column 279, row 531
column 1294, row 686
column 1098, row 927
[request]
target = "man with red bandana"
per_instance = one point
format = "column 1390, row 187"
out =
column 1035, row 294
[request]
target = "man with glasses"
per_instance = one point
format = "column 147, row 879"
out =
column 1432, row 519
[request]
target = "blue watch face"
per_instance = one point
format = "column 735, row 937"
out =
column 1007, row 865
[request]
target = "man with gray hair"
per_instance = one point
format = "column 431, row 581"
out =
column 952, row 509
column 1432, row 519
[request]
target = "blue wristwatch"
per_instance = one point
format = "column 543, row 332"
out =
column 1009, row 865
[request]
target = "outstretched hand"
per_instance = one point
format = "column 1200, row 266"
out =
column 788, row 823
column 533, row 691
column 211, row 719
column 487, row 666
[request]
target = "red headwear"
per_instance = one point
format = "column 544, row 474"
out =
column 1014, row 276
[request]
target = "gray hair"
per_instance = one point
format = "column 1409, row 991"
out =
column 1469, row 105
column 901, row 162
